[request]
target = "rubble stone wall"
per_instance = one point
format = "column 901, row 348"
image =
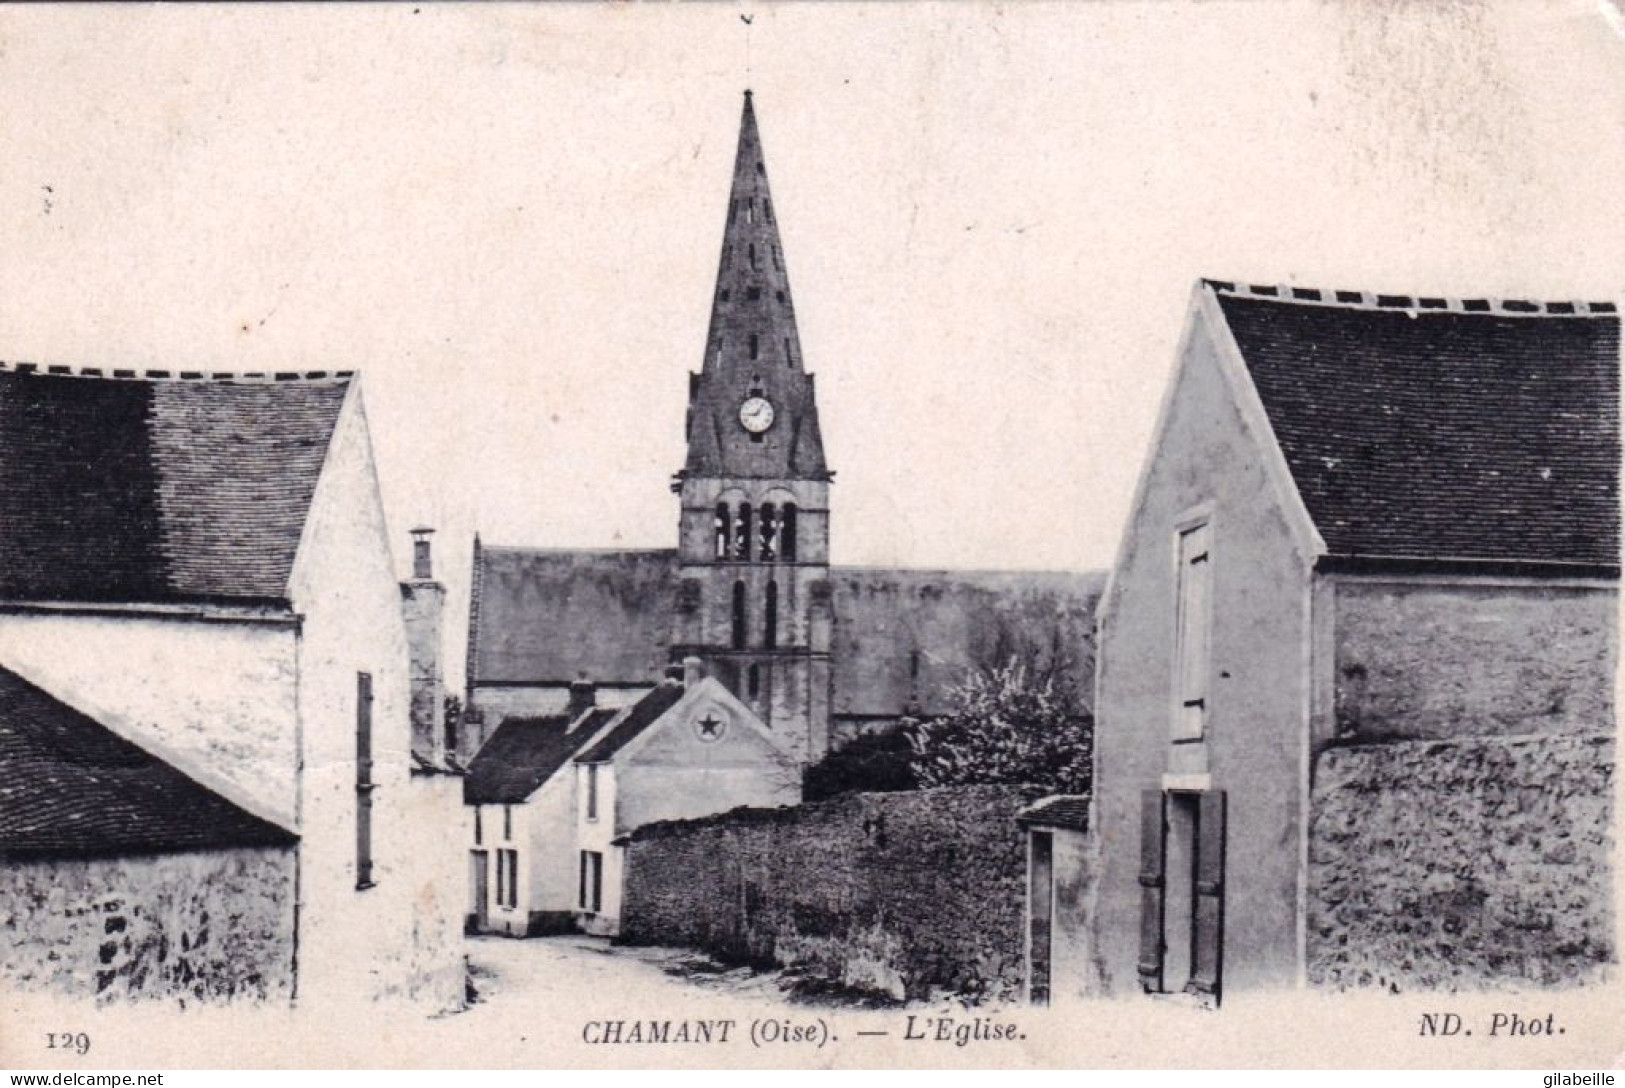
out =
column 902, row 894
column 1462, row 864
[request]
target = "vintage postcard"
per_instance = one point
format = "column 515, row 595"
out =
column 875, row 535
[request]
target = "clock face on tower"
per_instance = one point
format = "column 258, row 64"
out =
column 756, row 414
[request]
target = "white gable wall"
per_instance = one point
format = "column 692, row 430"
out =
column 401, row 937
column 215, row 699
column 1212, row 454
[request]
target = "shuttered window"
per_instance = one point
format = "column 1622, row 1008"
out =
column 1205, row 914
column 1191, row 632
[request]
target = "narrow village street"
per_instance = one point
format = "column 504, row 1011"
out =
column 558, row 972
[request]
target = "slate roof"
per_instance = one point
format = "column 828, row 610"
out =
column 524, row 753
column 1066, row 810
column 752, row 345
column 1432, row 430
column 634, row 720
column 546, row 617
column 954, row 621
column 555, row 615
column 142, row 490
column 69, row 786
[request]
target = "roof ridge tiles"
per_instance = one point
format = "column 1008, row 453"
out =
column 1413, row 303
column 250, row 377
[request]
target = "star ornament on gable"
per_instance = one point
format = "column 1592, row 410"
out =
column 710, row 727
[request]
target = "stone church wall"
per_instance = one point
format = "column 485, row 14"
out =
column 1460, row 865
column 897, row 893
column 209, row 926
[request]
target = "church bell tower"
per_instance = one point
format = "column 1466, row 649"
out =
column 753, row 549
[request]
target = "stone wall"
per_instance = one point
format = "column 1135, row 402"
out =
column 1460, row 865
column 212, row 926
column 901, row 893
column 1473, row 657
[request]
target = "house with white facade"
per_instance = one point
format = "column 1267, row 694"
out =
column 1355, row 710
column 551, row 797
column 199, row 564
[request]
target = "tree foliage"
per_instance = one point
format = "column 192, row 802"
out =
column 872, row 763
column 1006, row 726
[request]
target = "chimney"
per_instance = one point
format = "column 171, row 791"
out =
column 422, row 559
column 423, row 601
column 691, row 671
column 583, row 697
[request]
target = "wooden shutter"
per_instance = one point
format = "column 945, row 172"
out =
column 363, row 780
column 1153, row 839
column 1194, row 575
column 1208, row 942
column 581, row 895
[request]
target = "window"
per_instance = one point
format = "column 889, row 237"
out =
column 755, row 345
column 722, row 528
column 769, row 533
column 753, row 294
column 778, row 259
column 770, row 622
column 479, row 829
column 750, row 211
column 592, row 881
column 787, row 532
column 752, row 254
column 507, row 878
column 755, row 681
column 1191, row 632
column 364, row 784
column 789, row 357
column 719, row 351
column 742, row 532
column 592, row 791
column 739, row 616
column 507, row 822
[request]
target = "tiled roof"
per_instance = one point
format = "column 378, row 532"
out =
column 134, row 489
column 1438, row 429
column 524, row 753
column 1067, row 810
column 634, row 720
column 69, row 786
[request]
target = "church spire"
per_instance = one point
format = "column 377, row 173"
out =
column 753, row 352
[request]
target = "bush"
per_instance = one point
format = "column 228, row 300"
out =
column 871, row 763
column 1005, row 728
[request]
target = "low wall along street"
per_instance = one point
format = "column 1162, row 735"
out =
column 1462, row 864
column 902, row 894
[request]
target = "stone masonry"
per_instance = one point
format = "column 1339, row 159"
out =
column 901, row 894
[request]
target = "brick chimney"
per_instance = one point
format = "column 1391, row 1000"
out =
column 583, row 697
column 423, row 602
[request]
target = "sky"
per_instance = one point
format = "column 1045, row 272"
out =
column 508, row 219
